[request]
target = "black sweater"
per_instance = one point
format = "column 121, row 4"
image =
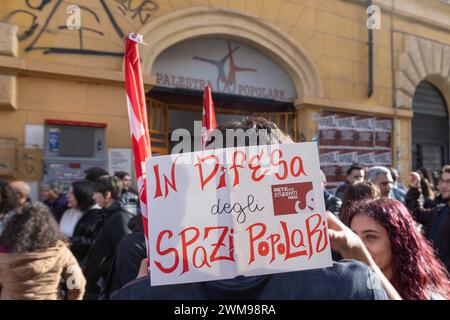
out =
column 100, row 257
column 436, row 219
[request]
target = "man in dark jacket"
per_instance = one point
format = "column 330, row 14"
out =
column 100, row 257
column 436, row 221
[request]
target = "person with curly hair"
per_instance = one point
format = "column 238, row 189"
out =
column 83, row 221
column 34, row 258
column 400, row 251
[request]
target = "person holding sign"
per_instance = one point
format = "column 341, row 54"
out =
column 249, row 218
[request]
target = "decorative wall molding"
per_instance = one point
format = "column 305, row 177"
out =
column 422, row 59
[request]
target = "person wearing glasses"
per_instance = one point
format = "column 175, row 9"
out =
column 381, row 176
column 436, row 221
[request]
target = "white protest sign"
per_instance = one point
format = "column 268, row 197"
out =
column 217, row 214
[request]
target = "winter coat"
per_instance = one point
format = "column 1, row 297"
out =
column 85, row 232
column 36, row 275
column 101, row 255
column 127, row 261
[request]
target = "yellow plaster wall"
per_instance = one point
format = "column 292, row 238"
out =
column 41, row 99
column 332, row 32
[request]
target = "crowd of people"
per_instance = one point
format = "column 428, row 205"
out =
column 425, row 200
column 65, row 247
column 89, row 243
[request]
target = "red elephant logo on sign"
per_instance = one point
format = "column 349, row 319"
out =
column 293, row 198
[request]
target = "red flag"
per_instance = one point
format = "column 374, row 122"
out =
column 209, row 115
column 137, row 114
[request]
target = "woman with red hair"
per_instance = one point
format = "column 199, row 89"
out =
column 400, row 251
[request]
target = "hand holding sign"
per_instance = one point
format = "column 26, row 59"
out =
column 143, row 269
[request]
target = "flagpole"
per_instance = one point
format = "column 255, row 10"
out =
column 137, row 115
column 209, row 115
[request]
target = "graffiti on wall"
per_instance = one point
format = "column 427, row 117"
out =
column 43, row 17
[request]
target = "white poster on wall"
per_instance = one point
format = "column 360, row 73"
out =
column 34, row 136
column 119, row 159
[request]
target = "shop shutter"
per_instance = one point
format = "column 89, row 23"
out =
column 430, row 128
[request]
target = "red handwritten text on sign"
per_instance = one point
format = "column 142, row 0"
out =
column 280, row 167
column 217, row 214
column 196, row 252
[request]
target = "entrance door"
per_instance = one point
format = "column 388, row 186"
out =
column 158, row 126
column 430, row 128
column 168, row 111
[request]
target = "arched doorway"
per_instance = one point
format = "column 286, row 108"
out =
column 243, row 79
column 430, row 128
column 172, row 29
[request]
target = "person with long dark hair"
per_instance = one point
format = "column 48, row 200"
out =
column 400, row 251
column 34, row 258
column 82, row 222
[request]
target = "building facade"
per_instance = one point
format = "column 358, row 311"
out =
column 370, row 84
